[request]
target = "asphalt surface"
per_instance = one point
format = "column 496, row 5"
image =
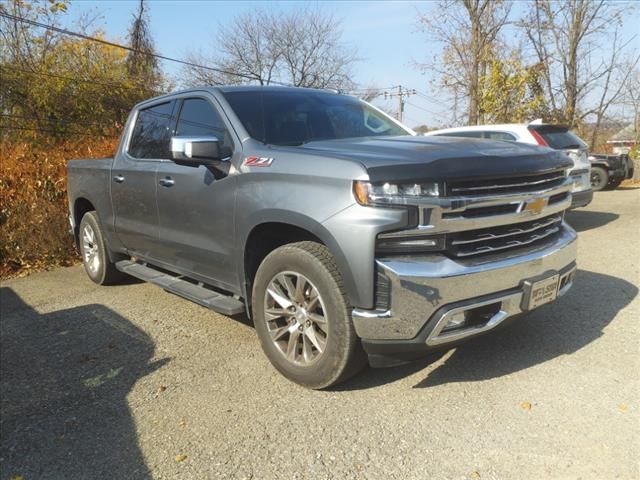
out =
column 130, row 382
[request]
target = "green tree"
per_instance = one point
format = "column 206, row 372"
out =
column 511, row 92
column 56, row 85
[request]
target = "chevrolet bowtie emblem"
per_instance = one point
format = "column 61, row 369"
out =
column 536, row 205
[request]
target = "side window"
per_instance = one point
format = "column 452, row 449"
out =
column 198, row 118
column 504, row 136
column 468, row 134
column 151, row 135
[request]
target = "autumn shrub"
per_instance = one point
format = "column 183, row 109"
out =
column 34, row 225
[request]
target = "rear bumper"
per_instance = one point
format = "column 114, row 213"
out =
column 581, row 199
column 426, row 292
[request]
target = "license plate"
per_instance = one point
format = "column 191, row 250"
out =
column 541, row 292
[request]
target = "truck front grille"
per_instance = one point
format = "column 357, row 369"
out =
column 487, row 240
column 484, row 217
column 499, row 186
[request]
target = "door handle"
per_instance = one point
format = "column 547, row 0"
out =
column 118, row 179
column 167, row 182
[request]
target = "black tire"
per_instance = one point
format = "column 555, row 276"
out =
column 101, row 271
column 341, row 356
column 599, row 178
column 614, row 184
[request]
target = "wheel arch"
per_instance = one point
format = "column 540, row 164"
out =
column 280, row 228
column 81, row 206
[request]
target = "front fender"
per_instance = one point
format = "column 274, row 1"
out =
column 274, row 215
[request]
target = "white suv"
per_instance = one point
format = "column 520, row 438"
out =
column 557, row 137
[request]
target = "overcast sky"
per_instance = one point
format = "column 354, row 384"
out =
column 385, row 35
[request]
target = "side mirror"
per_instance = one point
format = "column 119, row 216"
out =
column 197, row 151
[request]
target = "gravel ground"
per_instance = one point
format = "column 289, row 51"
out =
column 130, row 382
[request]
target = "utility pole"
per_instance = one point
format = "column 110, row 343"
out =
column 401, row 94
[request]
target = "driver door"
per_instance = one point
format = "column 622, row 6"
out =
column 196, row 204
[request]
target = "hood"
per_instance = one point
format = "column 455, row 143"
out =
column 408, row 158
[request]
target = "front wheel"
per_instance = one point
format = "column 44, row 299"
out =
column 302, row 316
column 599, row 178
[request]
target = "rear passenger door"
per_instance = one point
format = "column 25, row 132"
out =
column 196, row 204
column 133, row 178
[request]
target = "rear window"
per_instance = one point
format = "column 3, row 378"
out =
column 559, row 138
column 504, row 136
column 473, row 134
column 152, row 133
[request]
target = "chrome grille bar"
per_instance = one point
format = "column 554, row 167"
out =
column 483, row 237
column 506, row 186
column 510, row 244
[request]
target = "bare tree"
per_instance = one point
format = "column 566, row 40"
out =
column 302, row 48
column 570, row 40
column 469, row 31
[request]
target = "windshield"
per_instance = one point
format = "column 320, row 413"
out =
column 294, row 118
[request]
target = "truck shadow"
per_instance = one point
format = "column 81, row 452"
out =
column 64, row 379
column 582, row 220
column 562, row 328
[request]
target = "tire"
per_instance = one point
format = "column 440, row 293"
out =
column 305, row 326
column 614, row 184
column 93, row 250
column 599, row 178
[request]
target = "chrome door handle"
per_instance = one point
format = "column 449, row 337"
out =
column 167, row 182
column 118, row 179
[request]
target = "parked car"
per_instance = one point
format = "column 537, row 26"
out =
column 338, row 231
column 608, row 171
column 558, row 137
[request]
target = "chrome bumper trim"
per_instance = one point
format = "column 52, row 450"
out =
column 422, row 285
column 510, row 305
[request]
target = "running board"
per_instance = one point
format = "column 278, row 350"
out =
column 227, row 305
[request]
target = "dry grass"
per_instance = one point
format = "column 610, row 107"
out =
column 34, row 226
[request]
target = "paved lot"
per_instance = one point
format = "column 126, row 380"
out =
column 120, row 382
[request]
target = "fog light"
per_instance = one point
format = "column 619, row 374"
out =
column 457, row 321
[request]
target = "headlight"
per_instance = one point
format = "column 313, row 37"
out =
column 393, row 193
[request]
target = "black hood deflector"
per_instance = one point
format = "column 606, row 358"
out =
column 408, row 159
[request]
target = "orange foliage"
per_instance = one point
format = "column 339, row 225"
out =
column 34, row 225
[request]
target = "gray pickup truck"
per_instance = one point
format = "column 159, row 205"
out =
column 342, row 235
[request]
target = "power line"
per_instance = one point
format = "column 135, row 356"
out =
column 64, row 31
column 421, row 108
column 71, row 79
column 401, row 94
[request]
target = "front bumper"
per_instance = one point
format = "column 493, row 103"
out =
column 426, row 291
column 581, row 199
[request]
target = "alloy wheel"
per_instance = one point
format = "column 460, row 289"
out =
column 90, row 249
column 296, row 318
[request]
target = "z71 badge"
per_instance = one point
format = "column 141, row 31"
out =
column 258, row 161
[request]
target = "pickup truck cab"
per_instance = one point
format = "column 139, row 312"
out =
column 344, row 236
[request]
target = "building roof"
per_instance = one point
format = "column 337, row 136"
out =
column 628, row 134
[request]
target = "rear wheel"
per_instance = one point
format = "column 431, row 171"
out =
column 599, row 178
column 302, row 317
column 95, row 257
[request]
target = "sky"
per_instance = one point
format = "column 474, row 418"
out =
column 384, row 33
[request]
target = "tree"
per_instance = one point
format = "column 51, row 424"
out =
column 55, row 85
column 469, row 31
column 572, row 41
column 302, row 48
column 142, row 65
column 511, row 91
